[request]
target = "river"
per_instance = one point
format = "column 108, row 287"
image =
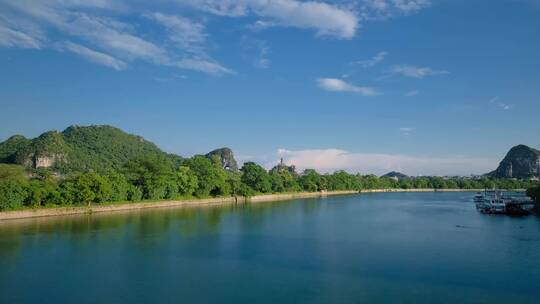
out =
column 368, row 248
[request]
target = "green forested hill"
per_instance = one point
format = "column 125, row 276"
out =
column 91, row 148
column 10, row 148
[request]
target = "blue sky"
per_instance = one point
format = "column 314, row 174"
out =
column 424, row 87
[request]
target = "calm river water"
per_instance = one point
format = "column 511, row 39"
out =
column 370, row 248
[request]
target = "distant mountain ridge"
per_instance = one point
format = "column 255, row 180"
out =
column 520, row 162
column 396, row 175
column 78, row 148
column 90, row 148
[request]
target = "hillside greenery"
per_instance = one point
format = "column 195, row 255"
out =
column 81, row 149
column 103, row 164
column 11, row 147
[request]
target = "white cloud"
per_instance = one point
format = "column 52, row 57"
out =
column 13, row 38
column 262, row 61
column 407, row 131
column 187, row 34
column 338, row 85
column 110, row 26
column 95, row 56
column 201, row 65
column 412, row 93
column 17, row 32
column 110, row 37
column 329, row 160
column 169, row 78
column 326, row 19
column 379, row 5
column 382, row 9
column 502, row 106
column 414, row 71
column 411, row 6
column 256, row 51
column 379, row 57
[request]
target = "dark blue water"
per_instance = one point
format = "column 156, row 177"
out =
column 372, row 248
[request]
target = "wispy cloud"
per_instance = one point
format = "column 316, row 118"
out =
column 187, row 34
column 338, row 85
column 407, row 131
column 113, row 28
column 411, row 6
column 10, row 37
column 500, row 105
column 104, row 38
column 201, row 65
column 262, row 61
column 328, row 160
column 169, row 78
column 95, row 56
column 16, row 32
column 326, row 19
column 382, row 9
column 256, row 51
column 412, row 93
column 414, row 71
column 379, row 57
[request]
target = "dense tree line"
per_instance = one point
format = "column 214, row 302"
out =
column 156, row 177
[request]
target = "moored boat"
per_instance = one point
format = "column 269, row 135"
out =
column 503, row 202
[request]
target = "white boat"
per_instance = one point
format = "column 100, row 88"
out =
column 503, row 202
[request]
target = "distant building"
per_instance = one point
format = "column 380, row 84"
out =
column 283, row 167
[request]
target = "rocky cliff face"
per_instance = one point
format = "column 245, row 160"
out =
column 520, row 162
column 224, row 156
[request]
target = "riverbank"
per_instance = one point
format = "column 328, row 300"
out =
column 62, row 211
column 422, row 190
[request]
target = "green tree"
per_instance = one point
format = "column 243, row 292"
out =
column 342, row 180
column 276, row 180
column 120, row 186
column 284, row 179
column 256, row 177
column 152, row 175
column 134, row 193
column 212, row 179
column 186, row 180
column 12, row 194
column 12, row 172
column 42, row 192
column 311, row 181
column 90, row 188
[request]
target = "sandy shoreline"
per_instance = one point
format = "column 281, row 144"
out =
column 62, row 211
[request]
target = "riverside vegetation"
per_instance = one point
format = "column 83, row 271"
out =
column 102, row 164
